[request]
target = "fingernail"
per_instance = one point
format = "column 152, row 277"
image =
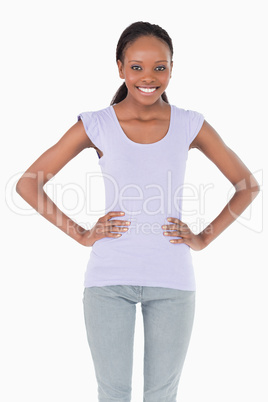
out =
column 122, row 213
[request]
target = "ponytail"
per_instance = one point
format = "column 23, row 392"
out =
column 120, row 94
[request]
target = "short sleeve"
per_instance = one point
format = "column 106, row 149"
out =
column 90, row 123
column 195, row 123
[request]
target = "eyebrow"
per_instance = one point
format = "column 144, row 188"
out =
column 139, row 61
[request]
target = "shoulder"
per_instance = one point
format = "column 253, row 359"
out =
column 95, row 114
column 187, row 114
column 189, row 121
column 188, row 118
column 94, row 122
column 92, row 118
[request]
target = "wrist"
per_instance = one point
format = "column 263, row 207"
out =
column 76, row 231
column 85, row 238
column 206, row 236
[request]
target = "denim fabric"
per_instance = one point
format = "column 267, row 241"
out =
column 110, row 314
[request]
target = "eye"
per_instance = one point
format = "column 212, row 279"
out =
column 136, row 68
column 161, row 68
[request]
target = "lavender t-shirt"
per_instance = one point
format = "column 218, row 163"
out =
column 146, row 182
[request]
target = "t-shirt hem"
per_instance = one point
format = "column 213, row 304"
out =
column 137, row 283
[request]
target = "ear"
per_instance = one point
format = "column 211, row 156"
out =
column 120, row 69
column 171, row 66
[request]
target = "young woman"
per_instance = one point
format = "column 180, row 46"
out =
column 141, row 248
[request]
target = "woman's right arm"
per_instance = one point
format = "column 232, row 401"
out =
column 30, row 185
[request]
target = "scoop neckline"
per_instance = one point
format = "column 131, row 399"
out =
column 139, row 143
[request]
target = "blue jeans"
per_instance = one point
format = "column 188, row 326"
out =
column 110, row 313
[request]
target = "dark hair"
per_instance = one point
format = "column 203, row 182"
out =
column 128, row 36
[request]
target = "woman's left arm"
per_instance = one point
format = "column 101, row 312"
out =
column 246, row 187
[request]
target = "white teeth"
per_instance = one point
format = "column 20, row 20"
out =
column 147, row 89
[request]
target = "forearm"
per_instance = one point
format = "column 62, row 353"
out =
column 35, row 196
column 237, row 204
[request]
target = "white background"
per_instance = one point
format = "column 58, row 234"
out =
column 58, row 59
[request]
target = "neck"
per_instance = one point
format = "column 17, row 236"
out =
column 139, row 110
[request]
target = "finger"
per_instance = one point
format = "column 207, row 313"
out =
column 109, row 234
column 177, row 241
column 177, row 221
column 175, row 226
column 176, row 233
column 116, row 229
column 111, row 214
column 170, row 219
column 183, row 228
column 110, row 229
column 106, row 229
column 117, row 222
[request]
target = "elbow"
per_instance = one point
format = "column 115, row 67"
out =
column 249, row 184
column 18, row 187
column 21, row 184
column 25, row 184
column 21, row 189
column 254, row 185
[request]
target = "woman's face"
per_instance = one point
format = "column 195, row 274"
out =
column 146, row 69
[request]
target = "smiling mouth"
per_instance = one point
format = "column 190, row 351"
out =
column 147, row 90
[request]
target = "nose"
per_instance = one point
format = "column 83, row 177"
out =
column 148, row 78
column 148, row 81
